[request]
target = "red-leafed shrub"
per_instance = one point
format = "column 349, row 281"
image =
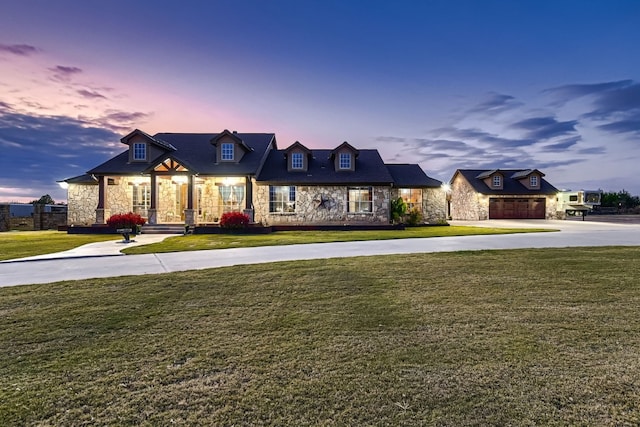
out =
column 234, row 220
column 128, row 220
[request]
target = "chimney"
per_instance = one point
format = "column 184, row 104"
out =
column 235, row 132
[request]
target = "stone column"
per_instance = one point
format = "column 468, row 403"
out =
column 152, row 212
column 102, row 212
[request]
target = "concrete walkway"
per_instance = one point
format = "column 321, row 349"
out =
column 102, row 259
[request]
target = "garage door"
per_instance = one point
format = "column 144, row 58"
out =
column 516, row 208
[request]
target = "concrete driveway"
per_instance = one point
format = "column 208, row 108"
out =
column 50, row 268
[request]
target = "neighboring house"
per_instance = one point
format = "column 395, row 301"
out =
column 195, row 178
column 501, row 194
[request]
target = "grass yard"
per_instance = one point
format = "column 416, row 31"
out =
column 525, row 337
column 224, row 241
column 19, row 244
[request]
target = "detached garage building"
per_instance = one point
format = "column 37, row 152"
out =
column 501, row 194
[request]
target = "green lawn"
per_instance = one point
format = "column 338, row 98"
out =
column 223, row 241
column 19, row 244
column 522, row 338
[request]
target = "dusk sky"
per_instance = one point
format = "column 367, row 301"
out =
column 552, row 85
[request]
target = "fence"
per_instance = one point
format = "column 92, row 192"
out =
column 24, row 217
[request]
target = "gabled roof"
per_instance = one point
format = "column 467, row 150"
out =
column 370, row 170
column 299, row 145
column 233, row 135
column 155, row 141
column 510, row 185
column 525, row 173
column 341, row 146
column 195, row 151
column 487, row 174
column 411, row 176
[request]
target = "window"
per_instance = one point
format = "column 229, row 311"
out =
column 412, row 197
column 360, row 199
column 497, row 181
column 282, row 199
column 533, row 180
column 227, row 151
column 232, row 197
column 141, row 199
column 296, row 161
column 345, row 161
column 139, row 151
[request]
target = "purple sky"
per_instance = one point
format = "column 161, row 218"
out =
column 451, row 84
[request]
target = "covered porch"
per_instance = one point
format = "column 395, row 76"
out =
column 174, row 197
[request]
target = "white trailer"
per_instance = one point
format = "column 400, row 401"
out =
column 572, row 203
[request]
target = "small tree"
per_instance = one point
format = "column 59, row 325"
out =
column 44, row 200
column 398, row 209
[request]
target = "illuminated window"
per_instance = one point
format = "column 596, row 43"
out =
column 282, row 199
column 139, row 151
column 360, row 200
column 227, row 151
column 141, row 199
column 296, row 161
column 345, row 161
column 412, row 197
column 497, row 180
column 533, row 180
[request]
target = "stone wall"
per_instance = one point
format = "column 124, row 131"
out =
column 40, row 220
column 82, row 200
column 467, row 205
column 434, row 205
column 309, row 209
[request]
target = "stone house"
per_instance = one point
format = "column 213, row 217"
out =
column 195, row 178
column 501, row 194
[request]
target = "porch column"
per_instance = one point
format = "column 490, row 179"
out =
column 102, row 210
column 153, row 210
column 190, row 212
column 249, row 191
column 248, row 211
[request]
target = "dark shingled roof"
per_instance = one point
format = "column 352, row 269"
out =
column 195, row 150
column 369, row 170
column 510, row 184
column 80, row 179
column 411, row 176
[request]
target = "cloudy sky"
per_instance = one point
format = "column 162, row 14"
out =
column 448, row 84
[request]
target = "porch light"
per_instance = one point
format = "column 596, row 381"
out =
column 179, row 179
column 63, row 184
column 446, row 187
column 230, row 181
column 140, row 180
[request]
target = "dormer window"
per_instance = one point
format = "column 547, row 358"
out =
column 297, row 161
column 226, row 150
column 139, row 151
column 533, row 180
column 345, row 161
column 497, row 181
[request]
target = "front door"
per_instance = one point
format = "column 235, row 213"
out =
column 181, row 200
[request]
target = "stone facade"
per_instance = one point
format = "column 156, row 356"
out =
column 82, row 200
column 434, row 205
column 321, row 205
column 468, row 205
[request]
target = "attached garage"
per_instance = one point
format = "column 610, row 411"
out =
column 524, row 208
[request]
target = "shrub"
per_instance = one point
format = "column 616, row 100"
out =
column 414, row 217
column 128, row 220
column 398, row 209
column 234, row 220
